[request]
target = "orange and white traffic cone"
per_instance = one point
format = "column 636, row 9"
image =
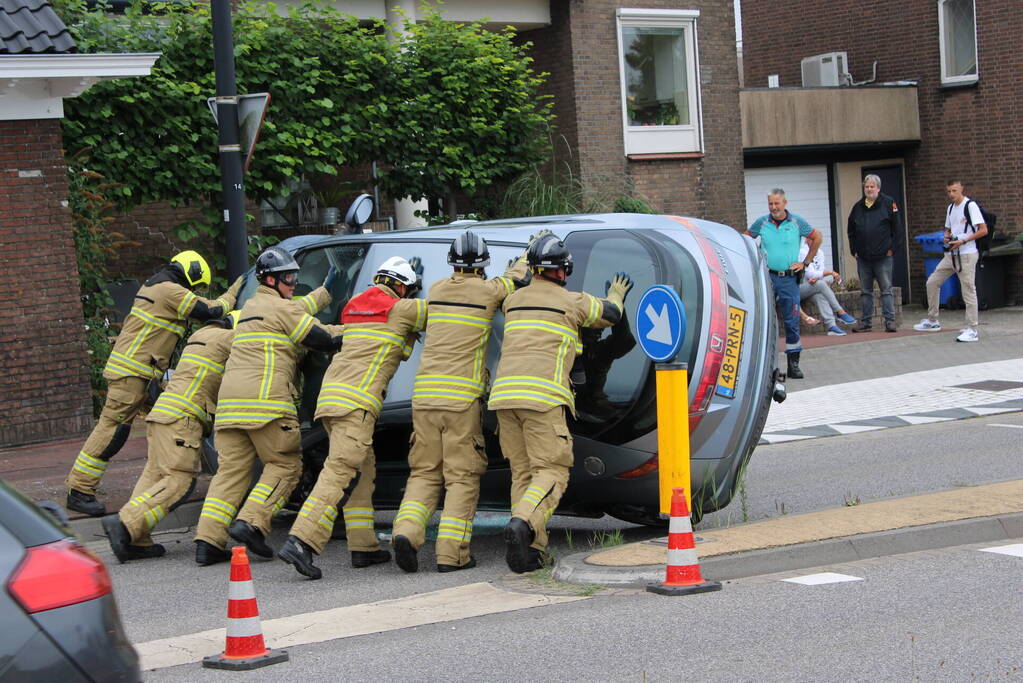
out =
column 682, row 573
column 244, row 648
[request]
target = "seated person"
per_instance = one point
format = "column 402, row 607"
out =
column 815, row 288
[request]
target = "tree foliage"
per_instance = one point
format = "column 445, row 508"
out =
column 450, row 108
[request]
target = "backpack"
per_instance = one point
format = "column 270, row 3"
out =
column 983, row 243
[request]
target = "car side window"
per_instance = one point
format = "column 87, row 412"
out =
column 315, row 263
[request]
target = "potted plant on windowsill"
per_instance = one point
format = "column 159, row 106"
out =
column 331, row 194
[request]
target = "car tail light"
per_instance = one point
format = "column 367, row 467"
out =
column 714, row 351
column 56, row 575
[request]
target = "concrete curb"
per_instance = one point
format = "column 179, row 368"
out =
column 575, row 569
column 89, row 529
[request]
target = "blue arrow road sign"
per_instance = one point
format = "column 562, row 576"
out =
column 661, row 324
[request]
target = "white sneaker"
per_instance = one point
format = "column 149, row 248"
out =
column 968, row 335
column 927, row 325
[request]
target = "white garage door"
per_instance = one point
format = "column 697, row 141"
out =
column 806, row 188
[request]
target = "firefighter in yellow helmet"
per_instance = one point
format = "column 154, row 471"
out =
column 380, row 326
column 175, row 427
column 256, row 414
column 447, row 450
column 532, row 394
column 141, row 353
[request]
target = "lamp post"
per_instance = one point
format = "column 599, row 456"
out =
column 231, row 184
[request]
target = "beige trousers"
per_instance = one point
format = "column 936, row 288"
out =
column 125, row 395
column 278, row 444
column 538, row 446
column 351, row 452
column 967, row 283
column 446, row 453
column 170, row 471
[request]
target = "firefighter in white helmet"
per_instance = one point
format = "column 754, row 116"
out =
column 447, row 453
column 380, row 326
column 141, row 353
column 532, row 394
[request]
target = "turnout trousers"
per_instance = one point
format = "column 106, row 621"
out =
column 446, row 454
column 168, row 477
column 347, row 479
column 125, row 395
column 538, row 446
column 278, row 444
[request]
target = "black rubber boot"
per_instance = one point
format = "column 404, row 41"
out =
column 300, row 556
column 366, row 558
column 517, row 537
column 444, row 568
column 207, row 554
column 250, row 537
column 794, row 372
column 85, row 503
column 405, row 555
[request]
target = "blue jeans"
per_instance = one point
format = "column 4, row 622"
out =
column 786, row 296
column 881, row 270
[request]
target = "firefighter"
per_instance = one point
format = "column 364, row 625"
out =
column 256, row 414
column 141, row 353
column 175, row 428
column 532, row 394
column 447, row 450
column 380, row 326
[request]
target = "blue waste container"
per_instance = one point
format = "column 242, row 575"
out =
column 931, row 243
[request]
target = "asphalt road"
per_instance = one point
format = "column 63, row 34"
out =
column 173, row 596
column 931, row 616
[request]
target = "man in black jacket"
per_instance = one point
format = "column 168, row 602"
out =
column 875, row 230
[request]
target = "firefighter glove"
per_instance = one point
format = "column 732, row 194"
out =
column 332, row 275
column 542, row 233
column 618, row 288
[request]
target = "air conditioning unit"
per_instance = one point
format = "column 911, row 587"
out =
column 826, row 69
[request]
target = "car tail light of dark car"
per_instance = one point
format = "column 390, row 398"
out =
column 56, row 575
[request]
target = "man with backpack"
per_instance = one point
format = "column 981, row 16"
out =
column 964, row 225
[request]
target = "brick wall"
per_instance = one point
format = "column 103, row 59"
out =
column 580, row 51
column 44, row 384
column 972, row 133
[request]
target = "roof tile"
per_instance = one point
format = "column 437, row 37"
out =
column 32, row 27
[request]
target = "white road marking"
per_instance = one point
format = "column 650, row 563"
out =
column 922, row 419
column 450, row 604
column 819, row 579
column 854, row 429
column 1016, row 550
column 998, row 424
column 781, row 438
column 983, row 410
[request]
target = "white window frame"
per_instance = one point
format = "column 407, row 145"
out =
column 946, row 79
column 663, row 139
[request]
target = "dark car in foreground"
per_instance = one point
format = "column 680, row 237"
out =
column 58, row 616
column 729, row 347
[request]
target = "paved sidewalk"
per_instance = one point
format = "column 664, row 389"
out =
column 992, row 512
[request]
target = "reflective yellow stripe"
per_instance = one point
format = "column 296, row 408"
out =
column 559, row 366
column 130, row 367
column 459, row 319
column 376, row 335
column 269, row 361
column 595, row 309
column 90, row 466
column 308, row 303
column 301, row 328
column 412, row 511
column 248, row 337
column 201, row 361
column 358, row 518
column 420, row 314
column 534, row 494
column 543, row 325
column 218, row 510
column 260, row 492
column 338, row 390
column 185, row 303
column 506, row 384
column 509, row 286
column 526, row 395
column 174, row 327
column 454, row 529
column 374, row 367
column 179, row 406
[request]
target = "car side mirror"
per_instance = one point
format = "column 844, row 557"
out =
column 359, row 212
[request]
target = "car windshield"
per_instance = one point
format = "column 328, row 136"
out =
column 348, row 258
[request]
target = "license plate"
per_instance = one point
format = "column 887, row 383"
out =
column 729, row 375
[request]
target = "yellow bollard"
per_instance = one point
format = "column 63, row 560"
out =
column 673, row 432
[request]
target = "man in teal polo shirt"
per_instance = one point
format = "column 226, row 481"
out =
column 781, row 234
